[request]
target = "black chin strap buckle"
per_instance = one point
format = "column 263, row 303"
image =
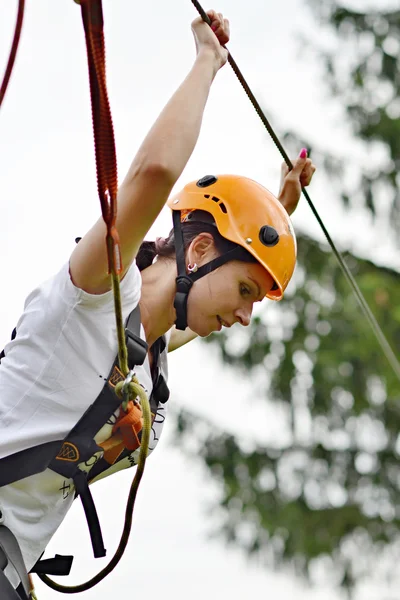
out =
column 183, row 286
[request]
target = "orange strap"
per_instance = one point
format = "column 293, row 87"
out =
column 125, row 433
column 130, row 423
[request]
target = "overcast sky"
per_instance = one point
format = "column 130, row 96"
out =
column 49, row 196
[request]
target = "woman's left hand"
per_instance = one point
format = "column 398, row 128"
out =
column 292, row 181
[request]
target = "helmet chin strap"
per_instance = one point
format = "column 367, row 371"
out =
column 184, row 281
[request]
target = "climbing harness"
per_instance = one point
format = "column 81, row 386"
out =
column 65, row 456
column 380, row 336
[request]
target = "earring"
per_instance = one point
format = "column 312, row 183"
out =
column 192, row 268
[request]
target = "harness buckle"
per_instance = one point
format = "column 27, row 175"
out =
column 137, row 348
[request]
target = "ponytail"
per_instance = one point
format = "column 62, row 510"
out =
column 149, row 250
column 146, row 255
column 199, row 222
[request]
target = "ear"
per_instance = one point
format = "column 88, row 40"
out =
column 201, row 250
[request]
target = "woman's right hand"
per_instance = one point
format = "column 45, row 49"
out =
column 212, row 37
column 158, row 163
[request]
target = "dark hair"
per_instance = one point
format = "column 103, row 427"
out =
column 199, row 221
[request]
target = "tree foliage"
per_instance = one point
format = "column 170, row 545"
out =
column 362, row 71
column 329, row 489
column 325, row 490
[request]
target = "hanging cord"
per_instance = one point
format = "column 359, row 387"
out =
column 128, row 514
column 92, row 17
column 106, row 163
column 380, row 336
column 13, row 51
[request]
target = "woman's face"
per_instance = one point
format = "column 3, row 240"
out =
column 226, row 296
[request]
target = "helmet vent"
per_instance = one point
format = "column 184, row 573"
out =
column 268, row 236
column 218, row 201
column 206, row 181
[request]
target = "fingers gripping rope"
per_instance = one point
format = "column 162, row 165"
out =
column 380, row 336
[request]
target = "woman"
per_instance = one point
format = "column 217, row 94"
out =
column 65, row 340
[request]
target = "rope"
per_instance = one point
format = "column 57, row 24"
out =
column 14, row 48
column 128, row 512
column 106, row 164
column 380, row 336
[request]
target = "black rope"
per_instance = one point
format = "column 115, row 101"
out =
column 380, row 336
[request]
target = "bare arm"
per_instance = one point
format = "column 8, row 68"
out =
column 180, row 338
column 157, row 165
column 292, row 181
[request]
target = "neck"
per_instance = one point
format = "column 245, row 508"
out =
column 157, row 299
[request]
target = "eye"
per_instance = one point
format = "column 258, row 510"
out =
column 244, row 290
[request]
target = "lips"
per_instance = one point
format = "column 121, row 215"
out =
column 222, row 322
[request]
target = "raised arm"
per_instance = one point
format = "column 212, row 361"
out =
column 292, row 181
column 158, row 163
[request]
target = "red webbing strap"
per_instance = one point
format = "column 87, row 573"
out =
column 106, row 166
column 106, row 161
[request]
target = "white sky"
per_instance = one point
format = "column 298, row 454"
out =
column 49, row 196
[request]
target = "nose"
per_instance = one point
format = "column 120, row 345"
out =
column 243, row 315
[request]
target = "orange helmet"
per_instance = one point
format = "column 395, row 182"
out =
column 247, row 214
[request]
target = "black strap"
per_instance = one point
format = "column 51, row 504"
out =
column 79, row 444
column 137, row 348
column 27, row 462
column 11, row 552
column 183, row 286
column 160, row 391
column 237, row 253
column 14, row 333
column 184, row 282
column 59, row 565
column 64, row 456
column 82, row 488
column 179, row 243
column 159, row 394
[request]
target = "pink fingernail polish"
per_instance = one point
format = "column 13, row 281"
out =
column 303, row 153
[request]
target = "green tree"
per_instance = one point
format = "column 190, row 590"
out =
column 330, row 491
column 362, row 70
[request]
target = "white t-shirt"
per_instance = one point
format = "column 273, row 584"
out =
column 55, row 368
